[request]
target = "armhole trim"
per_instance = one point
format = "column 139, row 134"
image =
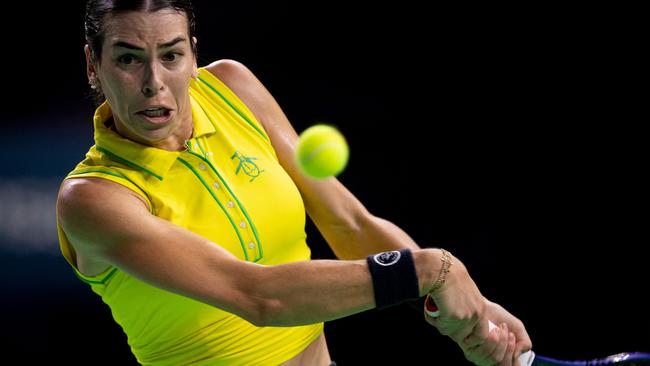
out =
column 240, row 113
column 105, row 276
column 97, row 173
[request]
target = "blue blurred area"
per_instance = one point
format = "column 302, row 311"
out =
column 61, row 141
column 503, row 139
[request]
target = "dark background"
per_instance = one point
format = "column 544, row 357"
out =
column 511, row 136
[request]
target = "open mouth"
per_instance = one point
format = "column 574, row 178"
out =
column 156, row 115
column 155, row 112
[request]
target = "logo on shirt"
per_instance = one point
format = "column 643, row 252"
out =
column 247, row 165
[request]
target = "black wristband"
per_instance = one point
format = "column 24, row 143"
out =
column 393, row 277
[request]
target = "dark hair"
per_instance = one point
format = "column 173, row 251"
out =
column 97, row 10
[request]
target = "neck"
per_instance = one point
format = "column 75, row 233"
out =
column 176, row 141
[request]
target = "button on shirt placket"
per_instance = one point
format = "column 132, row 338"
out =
column 233, row 210
column 244, row 230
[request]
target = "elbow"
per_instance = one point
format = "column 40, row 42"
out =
column 247, row 307
column 258, row 315
column 259, row 298
column 255, row 303
column 263, row 313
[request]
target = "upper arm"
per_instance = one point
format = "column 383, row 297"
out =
column 103, row 219
column 332, row 207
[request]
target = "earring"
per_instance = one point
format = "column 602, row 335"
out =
column 93, row 83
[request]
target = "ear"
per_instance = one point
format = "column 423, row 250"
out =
column 91, row 72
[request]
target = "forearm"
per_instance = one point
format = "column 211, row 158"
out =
column 314, row 291
column 373, row 235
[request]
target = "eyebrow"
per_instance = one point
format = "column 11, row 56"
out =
column 161, row 45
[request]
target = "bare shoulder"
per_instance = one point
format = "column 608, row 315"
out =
column 232, row 73
column 83, row 203
column 241, row 80
column 85, row 193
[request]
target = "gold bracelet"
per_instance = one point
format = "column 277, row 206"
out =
column 444, row 271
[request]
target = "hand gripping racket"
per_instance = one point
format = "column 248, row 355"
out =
column 531, row 359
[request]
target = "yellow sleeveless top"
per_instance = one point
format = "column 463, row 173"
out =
column 228, row 187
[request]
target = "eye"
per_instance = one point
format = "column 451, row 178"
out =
column 172, row 56
column 127, row 59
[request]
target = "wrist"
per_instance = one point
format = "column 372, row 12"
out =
column 428, row 265
column 447, row 262
column 433, row 268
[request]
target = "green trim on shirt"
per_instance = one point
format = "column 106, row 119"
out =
column 126, row 162
column 250, row 222
column 242, row 115
column 207, row 186
column 97, row 282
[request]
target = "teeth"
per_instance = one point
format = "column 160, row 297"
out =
column 155, row 112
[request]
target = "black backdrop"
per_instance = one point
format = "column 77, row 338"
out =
column 508, row 135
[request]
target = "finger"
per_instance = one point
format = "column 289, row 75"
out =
column 430, row 307
column 512, row 358
column 500, row 350
column 442, row 325
column 445, row 325
column 481, row 332
column 431, row 312
column 524, row 344
column 482, row 354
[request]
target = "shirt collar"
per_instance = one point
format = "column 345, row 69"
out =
column 202, row 123
column 154, row 161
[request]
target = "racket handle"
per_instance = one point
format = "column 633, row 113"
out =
column 432, row 310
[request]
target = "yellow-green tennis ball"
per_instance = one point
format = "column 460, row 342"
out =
column 322, row 151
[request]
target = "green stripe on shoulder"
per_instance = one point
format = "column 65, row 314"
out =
column 118, row 175
column 240, row 113
column 129, row 163
column 95, row 170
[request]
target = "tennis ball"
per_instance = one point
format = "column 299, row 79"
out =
column 322, row 151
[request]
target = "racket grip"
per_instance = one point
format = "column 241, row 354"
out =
column 432, row 310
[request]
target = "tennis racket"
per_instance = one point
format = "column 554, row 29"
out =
column 531, row 359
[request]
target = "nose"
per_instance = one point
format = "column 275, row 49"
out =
column 152, row 83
